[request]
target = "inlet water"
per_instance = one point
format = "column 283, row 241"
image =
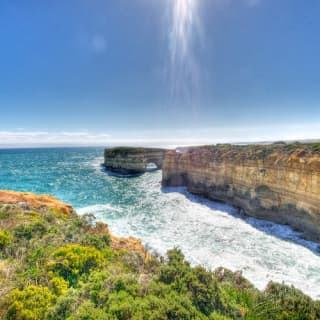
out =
column 209, row 233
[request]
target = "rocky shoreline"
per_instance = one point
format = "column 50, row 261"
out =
column 279, row 182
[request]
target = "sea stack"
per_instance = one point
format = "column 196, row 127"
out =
column 133, row 160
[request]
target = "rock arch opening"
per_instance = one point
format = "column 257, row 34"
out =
column 133, row 159
column 151, row 166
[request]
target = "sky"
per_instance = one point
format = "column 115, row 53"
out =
column 158, row 72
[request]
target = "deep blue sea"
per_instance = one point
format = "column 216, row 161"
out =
column 209, row 233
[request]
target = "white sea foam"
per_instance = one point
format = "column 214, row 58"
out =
column 98, row 209
column 211, row 234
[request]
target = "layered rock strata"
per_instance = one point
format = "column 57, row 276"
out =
column 133, row 160
column 279, row 182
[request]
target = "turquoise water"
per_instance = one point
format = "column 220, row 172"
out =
column 209, row 233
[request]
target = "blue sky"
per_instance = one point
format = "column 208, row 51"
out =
column 99, row 72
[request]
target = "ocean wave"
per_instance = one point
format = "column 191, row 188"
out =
column 97, row 209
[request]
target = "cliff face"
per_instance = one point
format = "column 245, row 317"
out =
column 275, row 182
column 132, row 160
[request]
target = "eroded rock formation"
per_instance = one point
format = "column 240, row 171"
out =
column 279, row 182
column 132, row 160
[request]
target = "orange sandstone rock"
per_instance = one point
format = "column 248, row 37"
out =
column 34, row 201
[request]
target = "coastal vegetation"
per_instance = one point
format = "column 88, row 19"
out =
column 123, row 151
column 57, row 265
column 305, row 148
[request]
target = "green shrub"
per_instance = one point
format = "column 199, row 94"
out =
column 97, row 287
column 73, row 260
column 58, row 285
column 32, row 303
column 204, row 290
column 121, row 305
column 175, row 269
column 4, row 215
column 218, row 316
column 99, row 241
column 284, row 302
column 59, row 214
column 133, row 261
column 5, row 239
column 28, row 231
column 171, row 306
column 64, row 306
column 23, row 231
column 88, row 311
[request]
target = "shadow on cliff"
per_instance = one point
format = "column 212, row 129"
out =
column 283, row 232
column 119, row 174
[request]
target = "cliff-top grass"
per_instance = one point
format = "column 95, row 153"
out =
column 282, row 147
column 131, row 150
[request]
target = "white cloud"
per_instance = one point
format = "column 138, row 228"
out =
column 23, row 133
column 74, row 134
column 22, row 138
column 162, row 137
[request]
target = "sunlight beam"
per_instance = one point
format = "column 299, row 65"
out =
column 183, row 71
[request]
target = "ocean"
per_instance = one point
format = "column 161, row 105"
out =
column 209, row 233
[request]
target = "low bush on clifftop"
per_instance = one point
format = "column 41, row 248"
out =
column 263, row 150
column 54, row 266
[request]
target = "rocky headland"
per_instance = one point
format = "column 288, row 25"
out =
column 26, row 207
column 279, row 182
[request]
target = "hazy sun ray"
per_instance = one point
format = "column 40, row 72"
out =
column 183, row 66
column 182, row 25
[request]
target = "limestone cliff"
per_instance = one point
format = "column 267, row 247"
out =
column 279, row 182
column 132, row 160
